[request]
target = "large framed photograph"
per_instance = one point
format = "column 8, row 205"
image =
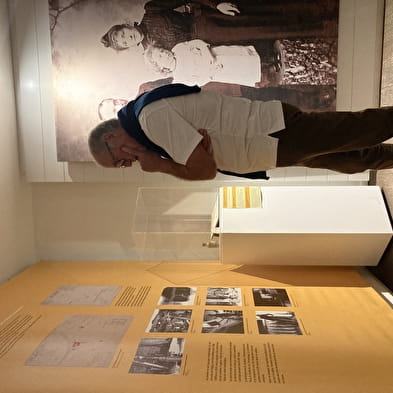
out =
column 105, row 53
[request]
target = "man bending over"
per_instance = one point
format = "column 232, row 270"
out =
column 189, row 133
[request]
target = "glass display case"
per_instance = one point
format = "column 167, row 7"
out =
column 174, row 223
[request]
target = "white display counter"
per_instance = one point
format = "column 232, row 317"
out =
column 307, row 226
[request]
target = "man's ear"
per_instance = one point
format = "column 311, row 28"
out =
column 109, row 136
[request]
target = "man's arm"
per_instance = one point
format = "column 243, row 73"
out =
column 199, row 166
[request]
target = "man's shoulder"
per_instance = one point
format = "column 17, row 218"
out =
column 181, row 102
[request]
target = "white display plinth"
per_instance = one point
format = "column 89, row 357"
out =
column 307, row 226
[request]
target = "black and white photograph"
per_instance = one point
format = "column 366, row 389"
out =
column 178, row 295
column 158, row 356
column 170, row 321
column 223, row 297
column 267, row 50
column 270, row 297
column 277, row 322
column 223, row 321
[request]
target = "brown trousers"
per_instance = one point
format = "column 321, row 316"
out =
column 346, row 142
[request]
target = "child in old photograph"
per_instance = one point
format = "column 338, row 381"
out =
column 197, row 62
column 286, row 62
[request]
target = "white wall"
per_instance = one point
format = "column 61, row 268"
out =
column 84, row 221
column 16, row 218
column 88, row 217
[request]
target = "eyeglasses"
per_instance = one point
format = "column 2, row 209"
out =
column 116, row 163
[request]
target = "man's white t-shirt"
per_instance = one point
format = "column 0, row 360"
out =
column 238, row 128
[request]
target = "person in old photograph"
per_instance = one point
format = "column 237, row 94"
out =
column 286, row 62
column 249, row 59
column 166, row 23
column 196, row 62
column 190, row 134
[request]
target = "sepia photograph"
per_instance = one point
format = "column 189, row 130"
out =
column 158, row 356
column 170, row 321
column 277, row 322
column 224, row 297
column 223, row 321
column 178, row 295
column 262, row 50
column 270, row 297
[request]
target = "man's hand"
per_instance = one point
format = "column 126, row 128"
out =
column 206, row 141
column 200, row 165
column 150, row 161
column 132, row 151
column 228, row 8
